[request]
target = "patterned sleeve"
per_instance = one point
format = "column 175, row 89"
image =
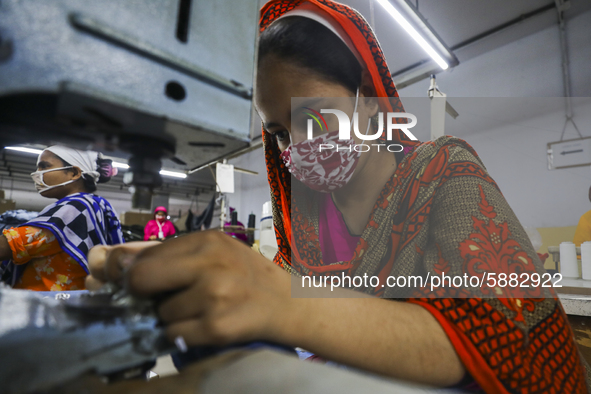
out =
column 27, row 242
column 511, row 339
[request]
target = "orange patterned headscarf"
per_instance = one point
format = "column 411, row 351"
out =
column 361, row 36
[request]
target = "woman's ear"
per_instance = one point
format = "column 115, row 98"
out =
column 369, row 94
column 77, row 172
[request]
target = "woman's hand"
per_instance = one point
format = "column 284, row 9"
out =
column 153, row 237
column 218, row 290
column 215, row 290
column 120, row 258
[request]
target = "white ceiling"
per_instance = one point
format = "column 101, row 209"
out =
column 457, row 21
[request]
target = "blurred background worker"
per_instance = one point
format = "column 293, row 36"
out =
column 48, row 253
column 583, row 232
column 159, row 227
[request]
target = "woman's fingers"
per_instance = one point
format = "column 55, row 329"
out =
column 199, row 332
column 93, row 283
column 183, row 305
column 159, row 274
column 96, row 262
column 175, row 264
column 108, row 263
column 121, row 257
column 210, row 288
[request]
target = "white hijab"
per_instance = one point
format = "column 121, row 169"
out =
column 85, row 160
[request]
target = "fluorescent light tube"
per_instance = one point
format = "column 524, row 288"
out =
column 120, row 165
column 413, row 33
column 173, row 174
column 23, row 149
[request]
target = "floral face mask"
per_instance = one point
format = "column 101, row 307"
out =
column 319, row 167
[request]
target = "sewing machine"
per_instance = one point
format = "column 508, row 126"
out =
column 46, row 341
column 51, row 345
column 148, row 81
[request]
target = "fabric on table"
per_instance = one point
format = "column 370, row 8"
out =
column 440, row 212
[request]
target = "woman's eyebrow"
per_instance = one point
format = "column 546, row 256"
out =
column 309, row 102
column 269, row 125
column 43, row 164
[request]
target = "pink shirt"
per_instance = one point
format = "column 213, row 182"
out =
column 152, row 228
column 336, row 243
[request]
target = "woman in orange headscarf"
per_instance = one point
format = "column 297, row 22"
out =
column 421, row 210
column 446, row 215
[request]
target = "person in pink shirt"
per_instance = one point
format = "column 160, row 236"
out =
column 159, row 227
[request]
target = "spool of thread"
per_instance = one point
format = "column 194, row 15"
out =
column 251, row 224
column 586, row 260
column 268, row 242
column 568, row 260
column 251, row 220
column 267, row 216
column 267, row 210
column 234, row 218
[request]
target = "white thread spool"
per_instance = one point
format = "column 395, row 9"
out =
column 267, row 239
column 568, row 260
column 586, row 260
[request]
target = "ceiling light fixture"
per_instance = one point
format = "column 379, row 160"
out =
column 173, row 174
column 418, row 28
column 120, row 165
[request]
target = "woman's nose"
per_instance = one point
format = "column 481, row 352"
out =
column 296, row 138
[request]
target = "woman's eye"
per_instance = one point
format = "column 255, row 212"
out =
column 281, row 135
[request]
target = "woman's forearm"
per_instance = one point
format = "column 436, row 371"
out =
column 392, row 338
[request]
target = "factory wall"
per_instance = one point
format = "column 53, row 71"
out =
column 515, row 152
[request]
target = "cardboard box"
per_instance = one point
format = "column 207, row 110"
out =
column 7, row 205
column 131, row 218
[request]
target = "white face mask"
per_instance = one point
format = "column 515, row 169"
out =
column 41, row 186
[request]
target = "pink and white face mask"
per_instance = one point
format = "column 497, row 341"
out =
column 324, row 170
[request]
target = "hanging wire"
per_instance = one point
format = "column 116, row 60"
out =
column 565, row 71
column 215, row 180
column 372, row 15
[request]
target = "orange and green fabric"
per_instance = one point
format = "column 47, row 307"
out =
column 440, row 213
column 48, row 267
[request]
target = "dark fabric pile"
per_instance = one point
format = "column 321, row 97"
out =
column 15, row 218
